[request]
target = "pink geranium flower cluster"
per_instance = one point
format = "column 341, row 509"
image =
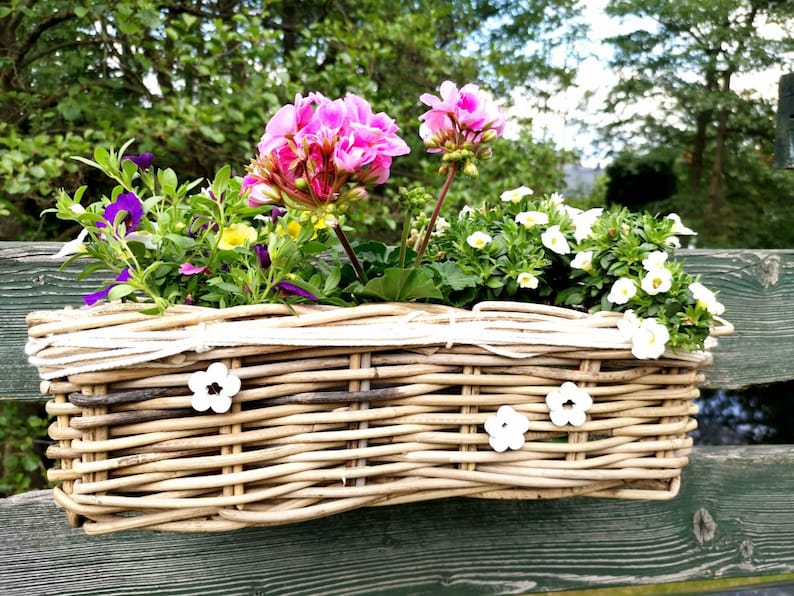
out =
column 318, row 152
column 461, row 118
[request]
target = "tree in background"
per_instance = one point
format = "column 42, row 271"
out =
column 684, row 58
column 194, row 82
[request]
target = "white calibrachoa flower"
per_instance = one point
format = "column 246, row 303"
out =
column 479, row 240
column 628, row 325
column 649, row 339
column 705, row 296
column 465, row 212
column 143, row 237
column 441, row 226
column 568, row 405
column 532, row 218
column 583, row 260
column 506, row 429
column 583, row 223
column 527, row 280
column 73, row 246
column 572, row 211
column 515, row 195
column 647, row 336
column 622, row 291
column 654, row 260
column 679, row 228
column 657, row 281
column 557, row 198
column 555, row 240
column 213, row 388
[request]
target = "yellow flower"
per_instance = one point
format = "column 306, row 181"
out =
column 293, row 230
column 236, row 235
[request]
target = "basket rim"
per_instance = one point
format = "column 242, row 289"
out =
column 117, row 335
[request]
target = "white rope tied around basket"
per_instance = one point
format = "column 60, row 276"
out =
column 117, row 347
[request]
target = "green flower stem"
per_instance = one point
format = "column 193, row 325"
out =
column 362, row 277
column 404, row 238
column 453, row 169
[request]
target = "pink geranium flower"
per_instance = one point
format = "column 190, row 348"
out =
column 319, row 151
column 459, row 116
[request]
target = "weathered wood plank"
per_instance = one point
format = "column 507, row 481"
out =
column 756, row 286
column 733, row 518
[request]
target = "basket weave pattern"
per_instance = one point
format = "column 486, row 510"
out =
column 343, row 408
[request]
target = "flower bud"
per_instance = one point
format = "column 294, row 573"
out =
column 470, row 170
column 489, row 136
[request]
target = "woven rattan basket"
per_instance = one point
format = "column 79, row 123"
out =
column 341, row 408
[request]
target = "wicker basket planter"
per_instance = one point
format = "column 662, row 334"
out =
column 340, row 408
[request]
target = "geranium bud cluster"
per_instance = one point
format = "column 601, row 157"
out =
column 460, row 124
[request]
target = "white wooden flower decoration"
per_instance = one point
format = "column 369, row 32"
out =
column 506, row 429
column 568, row 405
column 213, row 389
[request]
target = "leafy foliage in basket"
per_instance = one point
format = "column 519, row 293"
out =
column 279, row 233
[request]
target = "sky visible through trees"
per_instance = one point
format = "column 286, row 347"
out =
column 571, row 116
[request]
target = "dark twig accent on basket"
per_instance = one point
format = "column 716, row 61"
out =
column 121, row 397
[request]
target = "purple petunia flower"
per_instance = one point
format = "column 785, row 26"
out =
column 92, row 299
column 132, row 207
column 143, row 161
column 290, row 288
column 276, row 213
column 262, row 255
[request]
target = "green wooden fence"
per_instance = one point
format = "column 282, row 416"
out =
column 733, row 520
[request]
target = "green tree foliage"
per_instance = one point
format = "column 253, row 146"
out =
column 194, row 82
column 684, row 58
column 636, row 180
column 22, row 437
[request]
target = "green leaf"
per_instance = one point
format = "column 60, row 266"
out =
column 495, row 282
column 221, row 181
column 402, row 285
column 313, row 248
column 453, row 276
column 332, row 281
column 101, row 156
column 120, row 291
column 228, row 287
column 372, row 252
column 168, row 181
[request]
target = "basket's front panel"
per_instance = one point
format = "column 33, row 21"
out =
column 315, row 431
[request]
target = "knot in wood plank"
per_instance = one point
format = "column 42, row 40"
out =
column 704, row 526
column 769, row 270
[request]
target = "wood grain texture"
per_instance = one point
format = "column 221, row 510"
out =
column 757, row 288
column 29, row 279
column 733, row 518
